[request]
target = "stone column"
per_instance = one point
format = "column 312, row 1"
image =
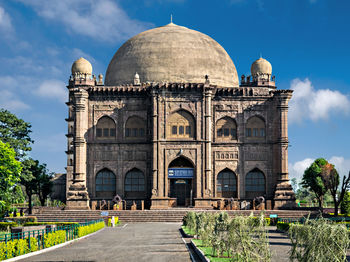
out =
column 78, row 197
column 284, row 194
column 208, row 137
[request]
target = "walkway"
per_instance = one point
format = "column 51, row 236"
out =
column 134, row 242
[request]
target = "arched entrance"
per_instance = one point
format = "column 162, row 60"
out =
column 180, row 175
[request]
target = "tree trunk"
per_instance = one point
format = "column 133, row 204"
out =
column 42, row 201
column 320, row 203
column 336, row 205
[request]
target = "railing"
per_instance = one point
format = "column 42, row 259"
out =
column 71, row 232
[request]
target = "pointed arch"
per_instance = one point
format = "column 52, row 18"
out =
column 226, row 129
column 255, row 128
column 135, row 127
column 105, row 183
column 181, row 124
column 105, row 128
column 226, row 184
column 255, row 183
column 134, row 184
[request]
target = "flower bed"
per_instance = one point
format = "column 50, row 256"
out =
column 12, row 245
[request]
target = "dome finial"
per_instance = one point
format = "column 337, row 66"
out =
column 171, row 18
column 137, row 80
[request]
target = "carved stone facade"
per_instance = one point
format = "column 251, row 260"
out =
column 177, row 143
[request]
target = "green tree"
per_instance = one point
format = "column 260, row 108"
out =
column 312, row 179
column 345, row 204
column 37, row 180
column 10, row 173
column 331, row 180
column 15, row 131
column 44, row 184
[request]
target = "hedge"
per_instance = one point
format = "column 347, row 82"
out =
column 4, row 226
column 59, row 224
column 22, row 220
column 283, row 226
column 17, row 247
column 85, row 230
column 54, row 238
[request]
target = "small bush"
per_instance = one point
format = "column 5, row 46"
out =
column 85, row 230
column 319, row 240
column 23, row 220
column 17, row 247
column 54, row 238
column 5, row 226
column 345, row 204
column 283, row 226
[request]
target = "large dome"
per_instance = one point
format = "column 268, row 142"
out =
column 172, row 53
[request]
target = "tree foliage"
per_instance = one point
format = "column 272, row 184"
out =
column 15, row 131
column 10, row 172
column 312, row 179
column 37, row 180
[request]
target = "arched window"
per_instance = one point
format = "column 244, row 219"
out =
column 134, row 183
column 226, row 129
column 105, row 184
column 255, row 128
column 135, row 127
column 226, row 184
column 105, row 128
column 255, row 184
column 181, row 124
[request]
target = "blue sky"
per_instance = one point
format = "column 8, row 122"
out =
column 306, row 41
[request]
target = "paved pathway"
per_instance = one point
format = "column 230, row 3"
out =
column 135, row 242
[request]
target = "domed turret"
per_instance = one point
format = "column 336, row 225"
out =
column 81, row 68
column 261, row 69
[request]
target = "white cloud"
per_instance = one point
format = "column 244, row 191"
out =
column 53, row 89
column 5, row 21
column 99, row 19
column 341, row 164
column 309, row 103
column 297, row 169
column 9, row 99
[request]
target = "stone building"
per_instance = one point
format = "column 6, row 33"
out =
column 172, row 126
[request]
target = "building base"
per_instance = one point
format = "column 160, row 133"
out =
column 77, row 205
column 160, row 203
column 284, row 196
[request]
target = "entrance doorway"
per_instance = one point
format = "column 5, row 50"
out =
column 180, row 175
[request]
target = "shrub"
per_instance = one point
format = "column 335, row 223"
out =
column 88, row 229
column 59, row 224
column 54, row 238
column 17, row 247
column 189, row 220
column 283, row 226
column 5, row 226
column 319, row 240
column 345, row 204
column 23, row 220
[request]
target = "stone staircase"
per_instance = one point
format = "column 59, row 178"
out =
column 137, row 216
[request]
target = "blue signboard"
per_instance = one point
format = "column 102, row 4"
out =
column 180, row 172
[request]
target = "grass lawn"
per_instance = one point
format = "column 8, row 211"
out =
column 188, row 231
column 208, row 252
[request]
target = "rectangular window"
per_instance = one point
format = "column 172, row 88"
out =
column 233, row 132
column 255, row 132
column 142, row 132
column 174, row 130
column 219, row 132
column 99, row 132
column 127, row 132
column 226, row 132
column 248, row 132
column 112, row 132
column 134, row 132
column 188, row 130
column 262, row 132
column 181, row 130
column 106, row 132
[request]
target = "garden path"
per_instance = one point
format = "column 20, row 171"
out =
column 133, row 242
